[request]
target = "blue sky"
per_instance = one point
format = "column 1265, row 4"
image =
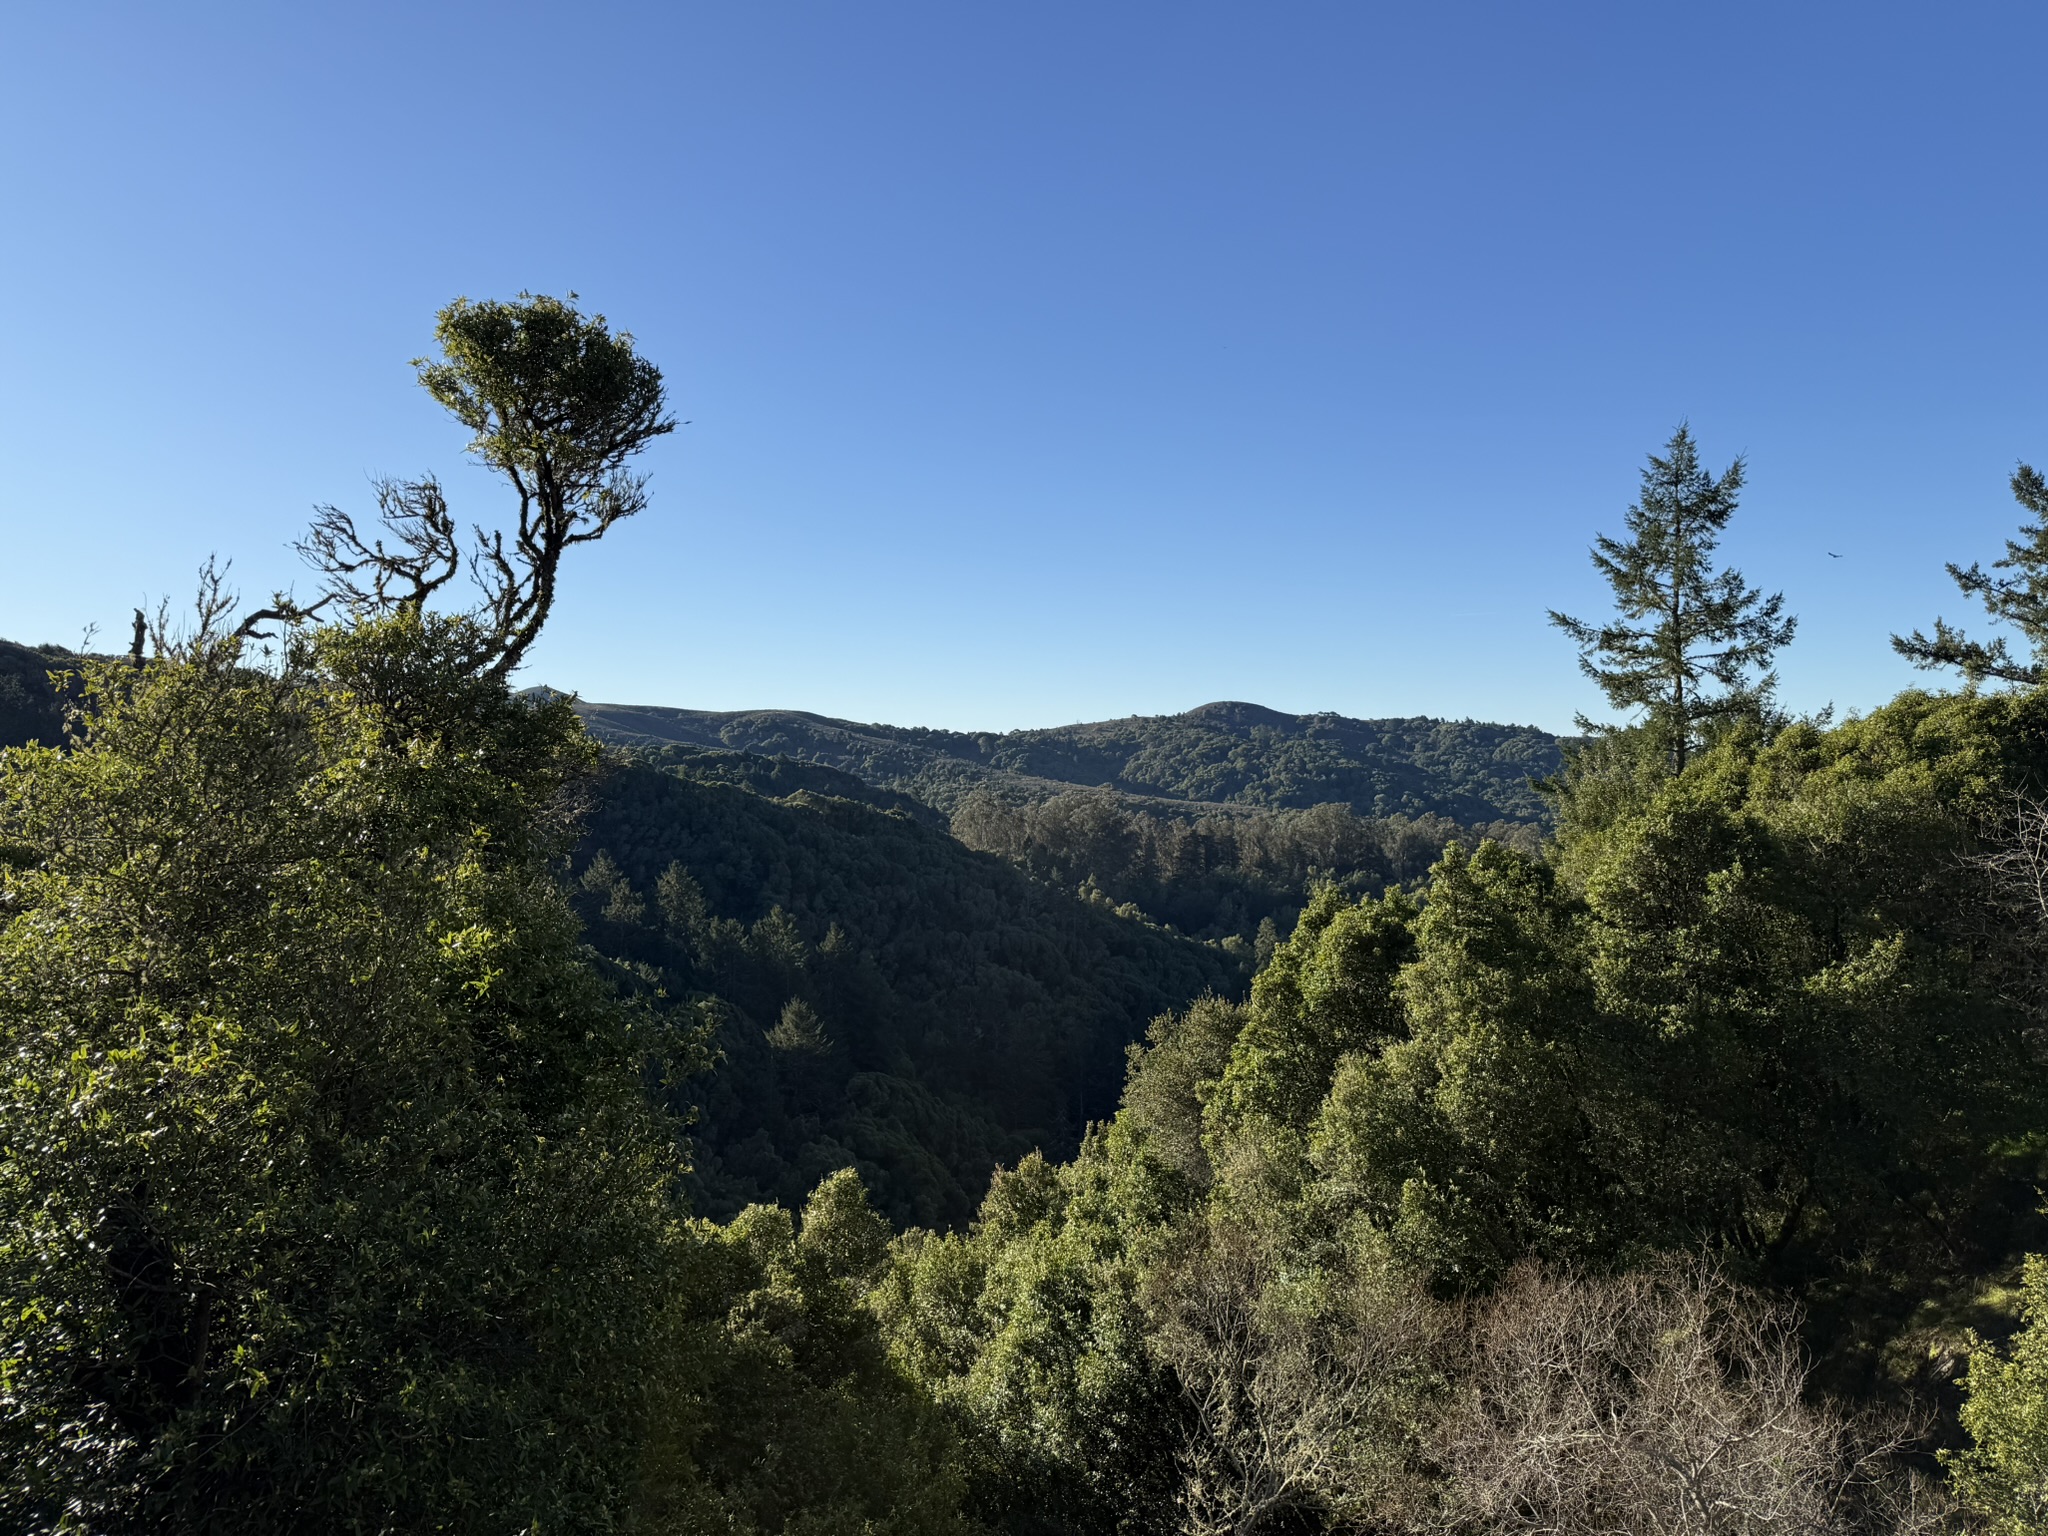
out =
column 1048, row 362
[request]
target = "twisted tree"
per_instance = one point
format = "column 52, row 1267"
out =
column 557, row 404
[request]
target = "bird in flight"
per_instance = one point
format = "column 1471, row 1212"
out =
column 1833, row 556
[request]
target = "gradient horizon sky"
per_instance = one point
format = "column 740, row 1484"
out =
column 1048, row 363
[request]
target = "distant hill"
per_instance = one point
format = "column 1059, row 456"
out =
column 1219, row 755
column 30, row 709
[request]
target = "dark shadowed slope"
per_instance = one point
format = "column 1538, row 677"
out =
column 29, row 706
column 888, row 998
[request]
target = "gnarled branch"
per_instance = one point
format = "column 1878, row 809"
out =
column 557, row 404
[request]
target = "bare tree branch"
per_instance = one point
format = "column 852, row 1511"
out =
column 1671, row 1403
column 2010, row 918
column 372, row 575
column 2017, row 859
column 282, row 611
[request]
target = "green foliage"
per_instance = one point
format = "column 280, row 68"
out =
column 1029, row 1330
column 1684, row 628
column 1171, row 1076
column 2020, row 600
column 551, row 396
column 329, row 1196
column 1481, row 1136
column 555, row 403
column 2003, row 1475
column 1762, row 1009
column 776, row 1407
column 1219, row 875
column 799, row 1029
column 1327, row 993
column 1147, row 1339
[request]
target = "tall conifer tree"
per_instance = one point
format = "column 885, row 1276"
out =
column 2020, row 600
column 1690, row 644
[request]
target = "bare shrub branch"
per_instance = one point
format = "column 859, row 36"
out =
column 1302, row 1388
column 2016, row 860
column 2009, row 919
column 1663, row 1404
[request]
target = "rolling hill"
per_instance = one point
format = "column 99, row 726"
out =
column 1220, row 755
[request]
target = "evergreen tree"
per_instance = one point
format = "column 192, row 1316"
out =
column 800, row 1030
column 1691, row 645
column 2020, row 600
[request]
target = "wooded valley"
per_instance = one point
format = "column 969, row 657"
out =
column 435, row 1104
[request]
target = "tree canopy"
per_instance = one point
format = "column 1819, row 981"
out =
column 296, row 1015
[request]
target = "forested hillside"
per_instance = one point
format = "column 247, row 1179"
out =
column 887, row 995
column 29, row 706
column 971, row 1009
column 1220, row 754
column 419, row 1117
column 885, row 998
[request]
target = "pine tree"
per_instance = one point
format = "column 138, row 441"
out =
column 800, row 1029
column 1691, row 645
column 2020, row 600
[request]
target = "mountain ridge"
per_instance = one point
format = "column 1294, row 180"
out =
column 1228, row 756
column 1224, row 755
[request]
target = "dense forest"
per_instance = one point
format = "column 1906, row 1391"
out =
column 421, row 1115
column 1220, row 754
column 959, row 1010
column 882, row 997
column 978, row 1007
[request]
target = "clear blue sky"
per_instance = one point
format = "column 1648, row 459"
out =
column 1049, row 361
